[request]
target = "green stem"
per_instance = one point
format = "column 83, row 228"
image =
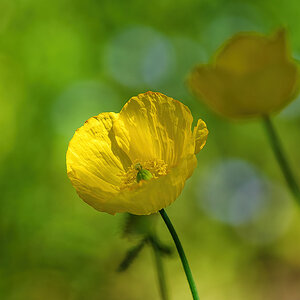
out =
column 281, row 158
column 182, row 256
column 159, row 269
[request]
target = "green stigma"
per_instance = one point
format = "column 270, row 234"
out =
column 142, row 174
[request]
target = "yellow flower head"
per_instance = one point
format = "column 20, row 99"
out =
column 252, row 75
column 138, row 160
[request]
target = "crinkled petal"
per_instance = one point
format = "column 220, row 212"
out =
column 95, row 161
column 150, row 127
column 157, row 127
column 155, row 194
column 200, row 135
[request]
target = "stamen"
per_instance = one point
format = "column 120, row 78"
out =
column 138, row 167
column 142, row 170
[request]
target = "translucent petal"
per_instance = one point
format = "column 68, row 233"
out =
column 155, row 194
column 151, row 127
column 157, row 127
column 94, row 160
column 200, row 135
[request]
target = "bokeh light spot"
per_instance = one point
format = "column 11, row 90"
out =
column 273, row 219
column 232, row 191
column 236, row 193
column 234, row 18
column 81, row 101
column 139, row 57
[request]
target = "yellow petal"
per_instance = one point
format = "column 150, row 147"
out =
column 157, row 127
column 252, row 75
column 200, row 135
column 214, row 88
column 156, row 194
column 249, row 52
column 95, row 162
column 152, row 129
column 270, row 90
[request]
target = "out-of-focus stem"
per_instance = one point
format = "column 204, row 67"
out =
column 159, row 269
column 281, row 158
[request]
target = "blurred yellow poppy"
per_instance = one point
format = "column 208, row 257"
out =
column 252, row 75
column 138, row 160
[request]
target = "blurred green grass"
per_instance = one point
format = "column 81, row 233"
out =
column 62, row 62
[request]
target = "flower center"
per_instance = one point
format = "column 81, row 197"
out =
column 142, row 174
column 139, row 171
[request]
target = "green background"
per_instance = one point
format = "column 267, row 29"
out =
column 62, row 62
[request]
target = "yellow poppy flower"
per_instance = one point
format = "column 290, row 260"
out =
column 252, row 75
column 138, row 160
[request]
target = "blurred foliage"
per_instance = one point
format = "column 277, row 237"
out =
column 64, row 61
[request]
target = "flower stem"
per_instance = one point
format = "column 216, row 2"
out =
column 159, row 269
column 281, row 158
column 182, row 256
